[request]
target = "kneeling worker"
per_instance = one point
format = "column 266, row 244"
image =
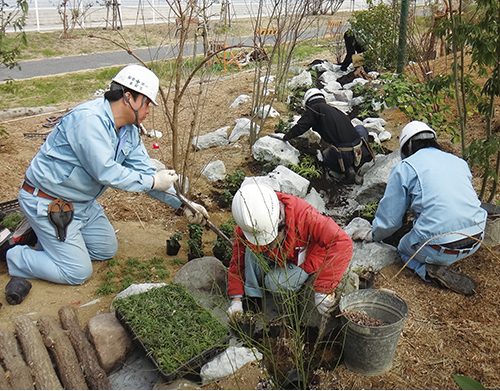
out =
column 448, row 219
column 349, row 148
column 279, row 241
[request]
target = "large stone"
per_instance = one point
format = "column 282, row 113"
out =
column 492, row 234
column 214, row 171
column 213, row 139
column 304, row 80
column 242, row 128
column 314, row 199
column 290, row 182
column 228, row 362
column 111, row 341
column 270, row 149
column 375, row 179
column 267, row 111
column 239, row 100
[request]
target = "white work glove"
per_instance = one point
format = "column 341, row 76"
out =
column 164, row 179
column 363, row 233
column 324, row 303
column 235, row 307
column 196, row 218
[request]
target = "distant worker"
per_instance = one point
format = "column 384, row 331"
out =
column 448, row 219
column 349, row 147
column 280, row 240
column 353, row 45
column 95, row 146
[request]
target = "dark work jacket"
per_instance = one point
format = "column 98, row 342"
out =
column 332, row 124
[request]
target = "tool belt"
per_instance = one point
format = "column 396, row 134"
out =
column 355, row 149
column 60, row 212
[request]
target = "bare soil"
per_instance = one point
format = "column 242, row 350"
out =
column 444, row 334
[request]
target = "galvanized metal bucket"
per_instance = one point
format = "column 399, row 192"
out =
column 369, row 350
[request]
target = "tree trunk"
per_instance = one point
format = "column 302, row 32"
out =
column 94, row 375
column 20, row 376
column 59, row 345
column 36, row 355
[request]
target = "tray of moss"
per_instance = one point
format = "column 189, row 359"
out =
column 175, row 332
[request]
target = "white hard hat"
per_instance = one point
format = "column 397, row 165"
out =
column 256, row 210
column 411, row 130
column 312, row 92
column 139, row 79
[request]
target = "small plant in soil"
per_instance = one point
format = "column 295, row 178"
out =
column 222, row 250
column 369, row 210
column 234, row 180
column 194, row 243
column 172, row 325
column 306, row 168
column 177, row 262
column 12, row 220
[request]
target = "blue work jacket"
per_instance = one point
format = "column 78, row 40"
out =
column 85, row 154
column 436, row 187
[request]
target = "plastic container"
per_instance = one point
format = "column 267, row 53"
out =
column 369, row 350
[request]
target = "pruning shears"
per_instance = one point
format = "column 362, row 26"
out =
column 188, row 204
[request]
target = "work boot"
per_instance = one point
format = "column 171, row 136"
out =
column 16, row 290
column 350, row 176
column 334, row 176
column 456, row 281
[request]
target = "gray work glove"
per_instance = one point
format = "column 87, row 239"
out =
column 324, row 303
column 364, row 234
column 200, row 217
column 164, row 179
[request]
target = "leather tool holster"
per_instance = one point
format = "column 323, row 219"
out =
column 60, row 214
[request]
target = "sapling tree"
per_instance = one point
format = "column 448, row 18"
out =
column 12, row 16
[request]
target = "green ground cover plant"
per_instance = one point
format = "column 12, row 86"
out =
column 172, row 325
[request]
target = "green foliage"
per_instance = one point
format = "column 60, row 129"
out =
column 227, row 196
column 234, row 180
column 134, row 262
column 282, row 126
column 127, row 281
column 12, row 220
column 194, row 242
column 175, row 238
column 177, row 262
column 296, row 98
column 13, row 16
column 307, row 167
column 107, row 288
column 226, row 250
column 171, row 324
column 479, row 153
column 421, row 101
column 377, row 28
column 466, row 383
column 113, row 262
column 367, row 107
column 369, row 209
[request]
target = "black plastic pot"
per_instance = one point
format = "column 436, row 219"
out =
column 173, row 247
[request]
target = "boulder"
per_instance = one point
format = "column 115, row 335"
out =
column 290, row 182
column 213, row 139
column 214, row 171
column 270, row 149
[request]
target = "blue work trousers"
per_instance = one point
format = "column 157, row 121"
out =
column 90, row 236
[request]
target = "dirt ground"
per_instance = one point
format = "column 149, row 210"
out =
column 444, row 334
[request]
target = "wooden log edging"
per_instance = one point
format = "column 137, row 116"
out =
column 36, row 355
column 19, row 373
column 94, row 375
column 58, row 343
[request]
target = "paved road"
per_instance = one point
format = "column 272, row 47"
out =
column 51, row 67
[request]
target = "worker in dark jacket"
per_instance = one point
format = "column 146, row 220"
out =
column 352, row 46
column 349, row 148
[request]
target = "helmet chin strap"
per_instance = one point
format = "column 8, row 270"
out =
column 136, row 111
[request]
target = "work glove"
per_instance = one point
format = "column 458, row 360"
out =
column 235, row 307
column 324, row 303
column 363, row 233
column 200, row 217
column 164, row 179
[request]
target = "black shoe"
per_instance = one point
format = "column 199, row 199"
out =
column 456, row 281
column 16, row 290
column 24, row 234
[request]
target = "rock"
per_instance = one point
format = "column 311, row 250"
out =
column 242, row 128
column 492, row 233
column 304, row 80
column 384, row 136
column 343, row 95
column 228, row 362
column 332, row 86
column 314, row 199
column 290, row 182
column 269, row 149
column 267, row 111
column 111, row 341
column 239, row 100
column 214, row 171
column 213, row 139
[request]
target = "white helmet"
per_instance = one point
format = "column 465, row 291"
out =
column 411, row 130
column 312, row 92
column 139, row 79
column 256, row 210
